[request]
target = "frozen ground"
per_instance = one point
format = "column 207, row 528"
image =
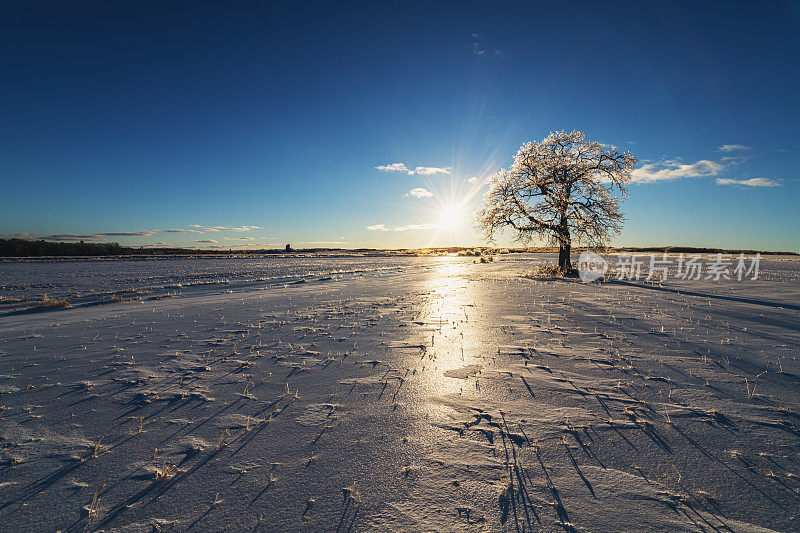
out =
column 395, row 394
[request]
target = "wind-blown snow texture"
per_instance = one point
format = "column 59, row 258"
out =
column 395, row 394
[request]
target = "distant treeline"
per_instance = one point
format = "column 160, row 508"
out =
column 691, row 250
column 650, row 249
column 42, row 248
column 28, row 248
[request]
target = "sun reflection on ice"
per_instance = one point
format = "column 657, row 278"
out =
column 448, row 360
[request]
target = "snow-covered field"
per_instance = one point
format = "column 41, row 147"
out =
column 394, row 394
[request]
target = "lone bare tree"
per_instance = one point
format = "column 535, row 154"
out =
column 562, row 188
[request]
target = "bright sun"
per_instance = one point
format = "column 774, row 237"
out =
column 451, row 217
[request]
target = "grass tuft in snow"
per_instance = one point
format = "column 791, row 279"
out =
column 48, row 302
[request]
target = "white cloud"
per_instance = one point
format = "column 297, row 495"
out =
column 732, row 148
column 752, row 182
column 393, row 167
column 673, row 170
column 208, row 241
column 473, row 180
column 184, row 231
column 419, row 171
column 429, row 171
column 322, row 243
column 410, row 227
column 419, row 192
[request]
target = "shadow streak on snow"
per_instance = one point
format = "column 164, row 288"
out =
column 736, row 299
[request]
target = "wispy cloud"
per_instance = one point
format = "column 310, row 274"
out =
column 473, row 180
column 752, row 182
column 102, row 236
column 429, row 171
column 420, row 171
column 66, row 237
column 95, row 236
column 669, row 170
column 479, row 50
column 208, row 241
column 129, row 233
column 323, row 243
column 74, row 237
column 225, row 228
column 733, row 148
column 410, row 227
column 419, row 192
column 674, row 170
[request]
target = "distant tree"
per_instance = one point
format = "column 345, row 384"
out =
column 563, row 188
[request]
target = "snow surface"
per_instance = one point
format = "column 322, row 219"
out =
column 394, row 394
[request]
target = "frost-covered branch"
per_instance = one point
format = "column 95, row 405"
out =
column 561, row 188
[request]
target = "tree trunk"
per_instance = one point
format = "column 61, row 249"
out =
column 564, row 264
column 564, row 246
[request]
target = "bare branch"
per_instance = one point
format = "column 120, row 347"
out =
column 560, row 188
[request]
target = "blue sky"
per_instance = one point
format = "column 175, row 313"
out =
column 254, row 124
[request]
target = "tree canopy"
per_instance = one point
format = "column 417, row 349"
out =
column 562, row 188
